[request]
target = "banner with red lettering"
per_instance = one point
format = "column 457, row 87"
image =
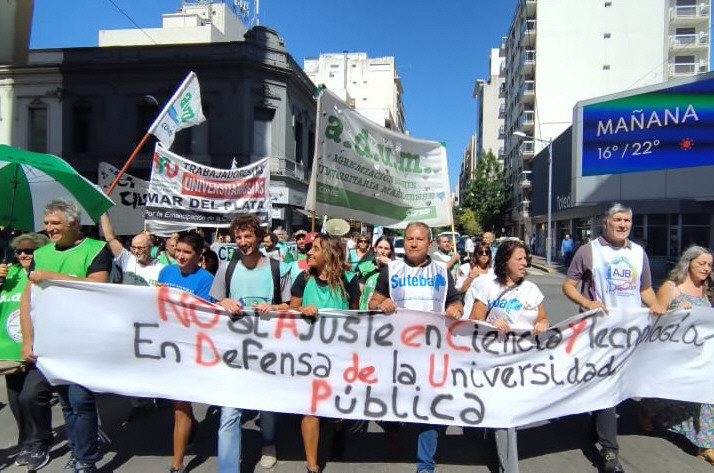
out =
column 185, row 192
column 410, row 366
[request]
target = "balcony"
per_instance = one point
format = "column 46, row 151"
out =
column 503, row 47
column 288, row 168
column 501, row 131
column 502, row 69
column 688, row 69
column 526, row 149
column 526, row 121
column 528, row 61
column 689, row 41
column 525, row 184
column 502, row 110
column 528, row 34
column 530, row 8
column 501, row 153
column 689, row 13
column 502, row 90
column 528, row 91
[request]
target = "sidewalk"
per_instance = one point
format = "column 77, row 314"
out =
column 539, row 263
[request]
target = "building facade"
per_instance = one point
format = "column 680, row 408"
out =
column 659, row 162
column 489, row 135
column 371, row 86
column 559, row 52
column 94, row 104
column 490, row 94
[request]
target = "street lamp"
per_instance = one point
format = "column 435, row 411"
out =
column 548, row 250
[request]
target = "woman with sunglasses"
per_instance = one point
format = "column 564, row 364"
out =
column 362, row 253
column 327, row 284
column 475, row 274
column 28, row 392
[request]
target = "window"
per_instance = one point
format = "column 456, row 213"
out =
column 606, row 67
column 695, row 230
column 37, row 127
column 657, row 234
column 608, row 4
column 298, row 142
column 607, row 35
column 262, row 123
column 684, row 64
column 81, row 128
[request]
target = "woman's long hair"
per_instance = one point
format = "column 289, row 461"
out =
column 389, row 242
column 335, row 263
column 681, row 270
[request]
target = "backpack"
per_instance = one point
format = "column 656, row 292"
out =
column 274, row 269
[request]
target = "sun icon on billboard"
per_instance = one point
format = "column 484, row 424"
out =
column 686, row 144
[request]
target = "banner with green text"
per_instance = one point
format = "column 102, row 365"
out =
column 366, row 172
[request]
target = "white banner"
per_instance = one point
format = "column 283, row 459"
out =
column 185, row 192
column 365, row 172
column 183, row 110
column 129, row 197
column 224, row 251
column 411, row 366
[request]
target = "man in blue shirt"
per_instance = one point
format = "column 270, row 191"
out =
column 567, row 248
column 186, row 275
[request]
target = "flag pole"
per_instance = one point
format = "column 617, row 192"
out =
column 128, row 162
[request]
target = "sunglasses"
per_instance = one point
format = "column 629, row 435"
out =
column 25, row 251
column 362, row 241
column 483, row 253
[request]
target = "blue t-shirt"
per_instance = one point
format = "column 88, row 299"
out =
column 197, row 283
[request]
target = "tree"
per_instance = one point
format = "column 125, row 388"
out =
column 486, row 194
column 466, row 223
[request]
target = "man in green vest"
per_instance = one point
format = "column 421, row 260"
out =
column 72, row 257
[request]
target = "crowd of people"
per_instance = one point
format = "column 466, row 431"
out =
column 329, row 272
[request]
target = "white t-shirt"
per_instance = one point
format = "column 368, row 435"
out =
column 476, row 285
column 464, row 271
column 135, row 273
column 518, row 307
column 469, row 246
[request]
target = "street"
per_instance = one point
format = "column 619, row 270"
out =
column 563, row 445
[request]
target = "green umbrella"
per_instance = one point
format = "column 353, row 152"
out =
column 28, row 181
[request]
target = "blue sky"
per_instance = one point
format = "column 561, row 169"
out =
column 441, row 48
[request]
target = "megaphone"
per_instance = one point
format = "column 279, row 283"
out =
column 337, row 227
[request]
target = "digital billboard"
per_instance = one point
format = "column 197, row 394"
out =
column 663, row 129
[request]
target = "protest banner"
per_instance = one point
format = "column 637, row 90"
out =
column 410, row 366
column 185, row 192
column 10, row 295
column 372, row 174
column 129, row 197
column 224, row 251
column 183, row 110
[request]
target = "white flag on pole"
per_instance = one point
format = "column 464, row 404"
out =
column 182, row 111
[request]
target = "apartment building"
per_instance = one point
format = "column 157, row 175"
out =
column 558, row 52
column 489, row 94
column 371, row 86
column 468, row 165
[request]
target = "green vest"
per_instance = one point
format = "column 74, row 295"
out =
column 324, row 297
column 74, row 261
column 10, row 296
column 166, row 260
